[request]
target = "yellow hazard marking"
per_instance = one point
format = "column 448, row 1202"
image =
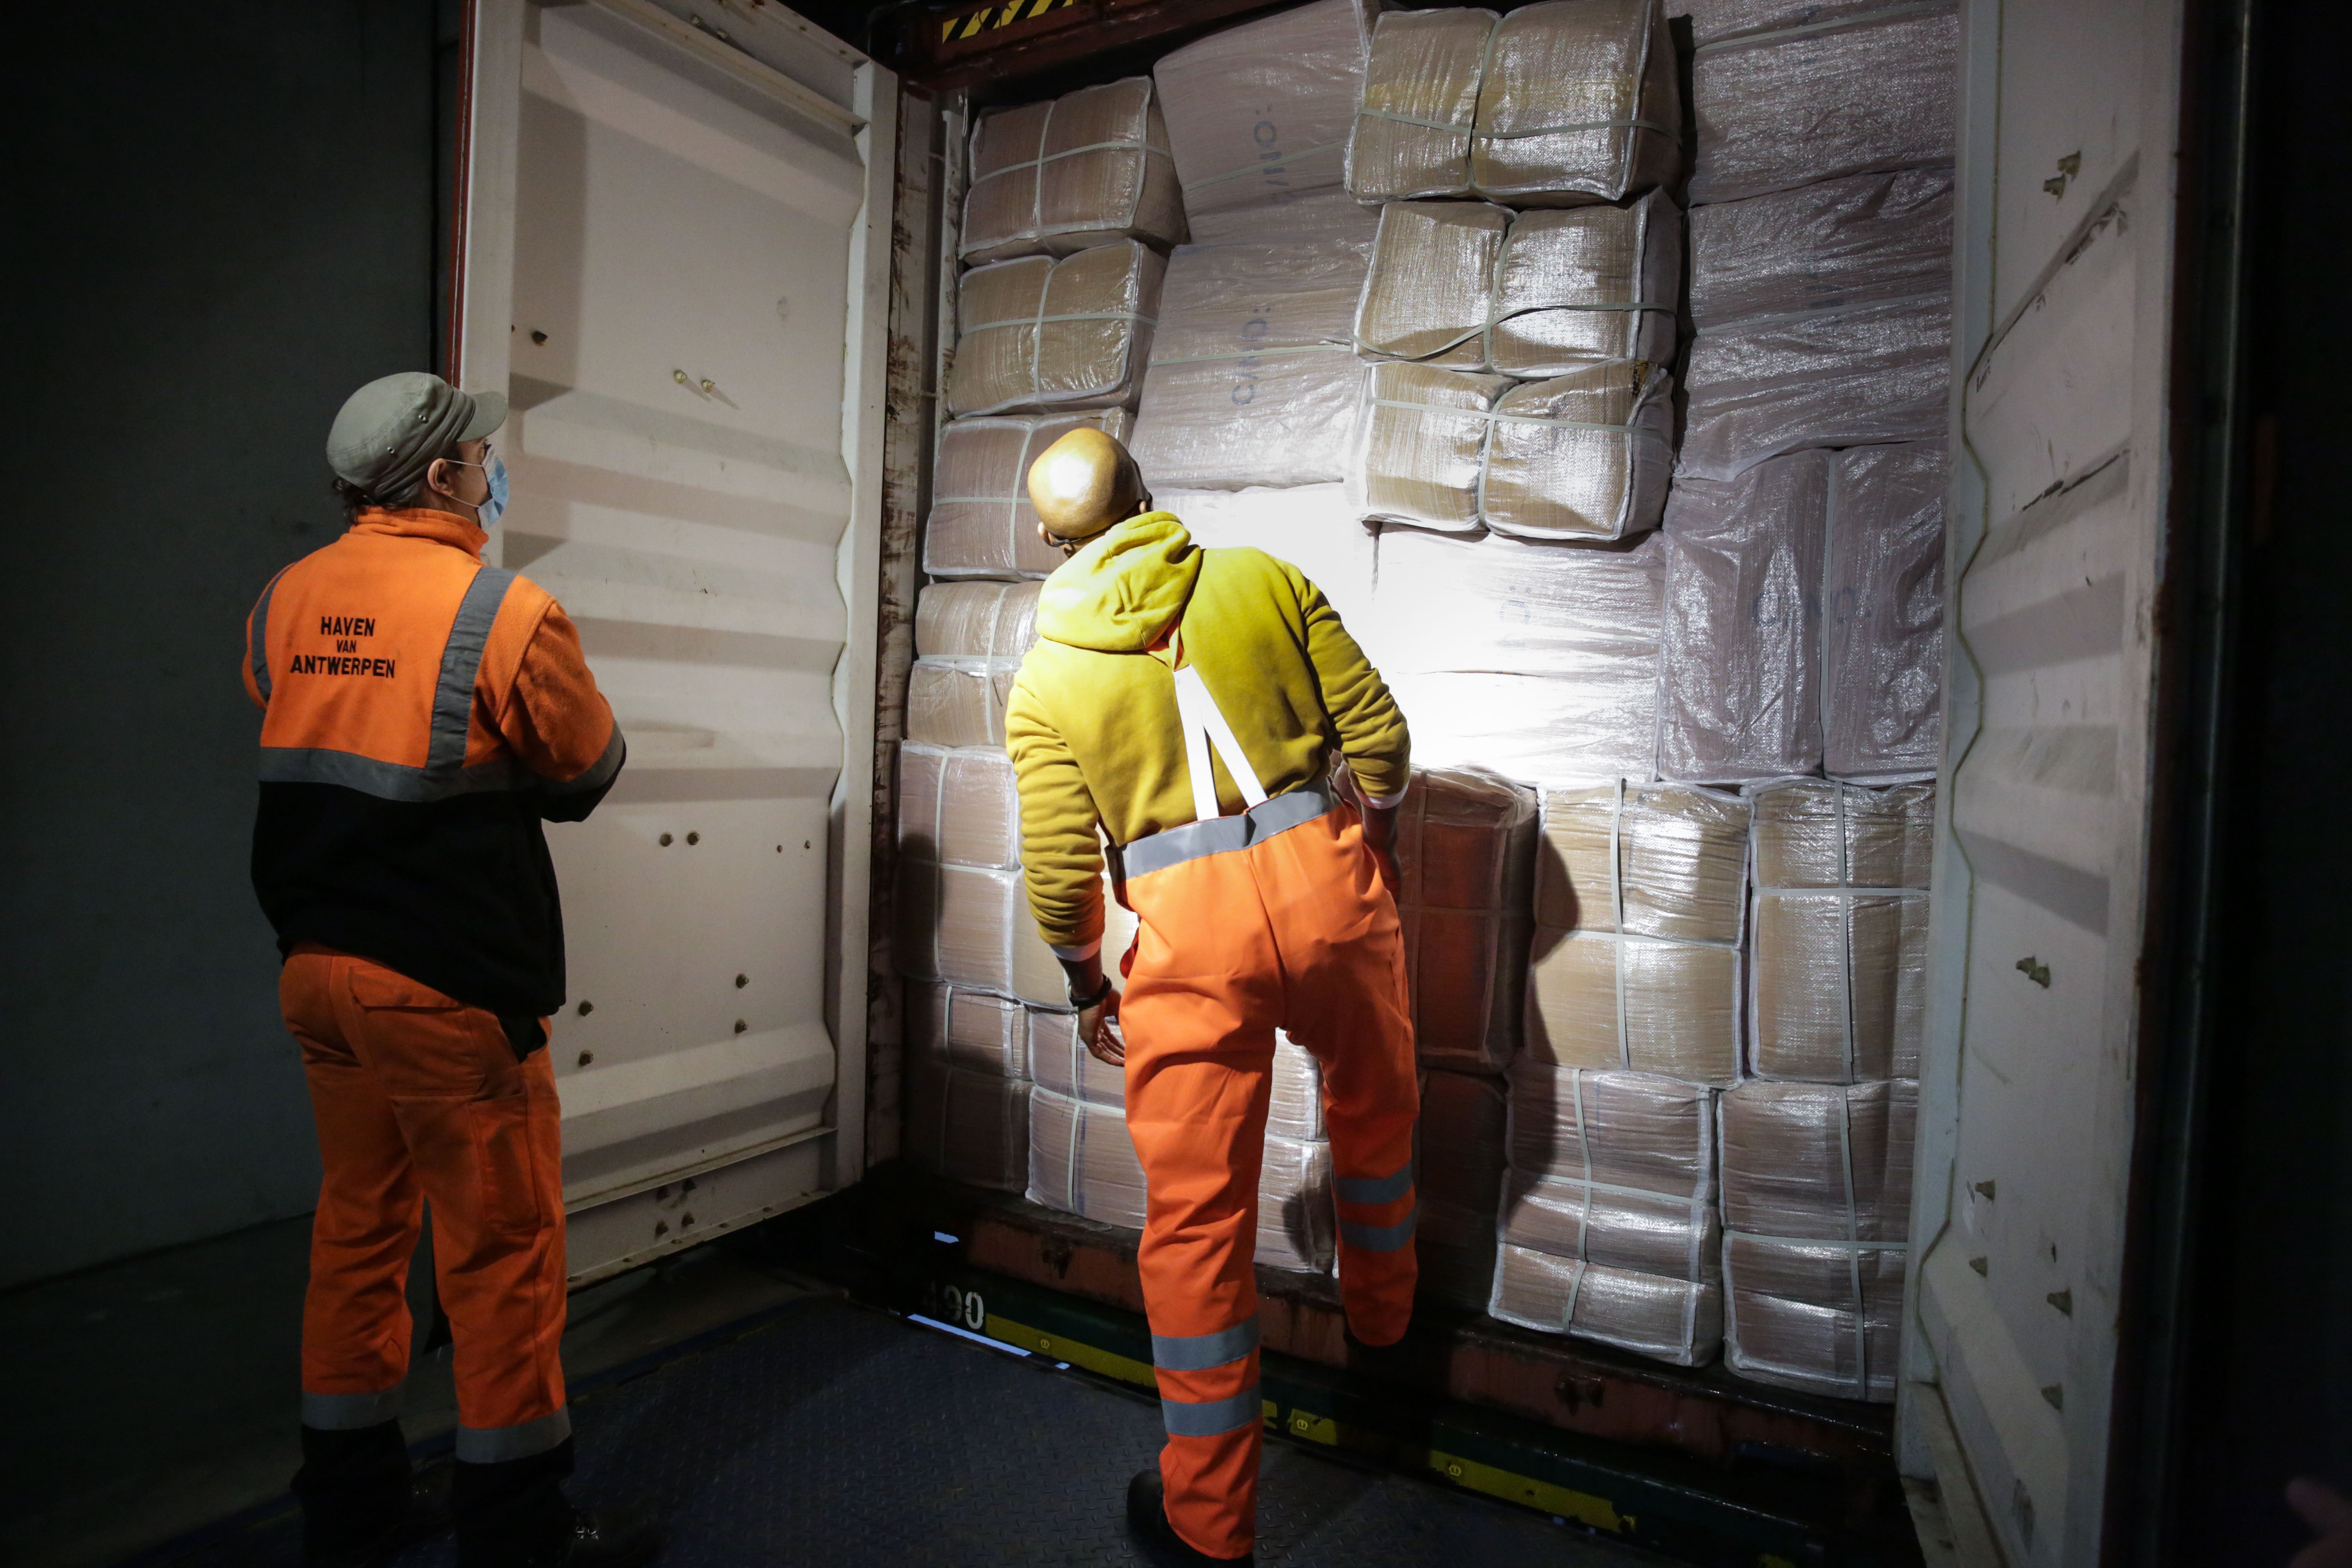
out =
column 1075, row 1351
column 1582, row 1507
column 1313, row 1427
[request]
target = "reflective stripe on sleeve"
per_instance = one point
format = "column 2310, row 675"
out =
column 496, row 1445
column 461, row 662
column 1212, row 1417
column 257, row 645
column 599, row 773
column 1376, row 1189
column 1199, row 1353
column 1379, row 1238
column 349, row 1412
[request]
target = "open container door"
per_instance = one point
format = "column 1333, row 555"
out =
column 2063, row 432
column 673, row 253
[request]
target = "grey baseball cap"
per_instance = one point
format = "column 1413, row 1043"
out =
column 392, row 429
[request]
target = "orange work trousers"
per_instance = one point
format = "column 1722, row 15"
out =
column 419, row 1097
column 1295, row 930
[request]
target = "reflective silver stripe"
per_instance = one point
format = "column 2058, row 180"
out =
column 349, row 1412
column 257, row 649
column 461, row 661
column 1220, row 835
column 599, row 773
column 496, row 1445
column 389, row 781
column 1376, row 1189
column 1379, row 1238
column 1199, row 1353
column 1210, row 1417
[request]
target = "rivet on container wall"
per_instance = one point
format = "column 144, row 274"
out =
column 1984, row 1190
column 741, row 1025
column 587, row 1057
column 2033, row 969
column 741, row 981
column 665, row 840
column 586, row 1008
column 539, row 337
column 694, row 838
column 2056, row 1394
column 1981, row 1266
column 2061, row 1299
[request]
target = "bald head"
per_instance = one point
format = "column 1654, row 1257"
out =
column 1083, row 483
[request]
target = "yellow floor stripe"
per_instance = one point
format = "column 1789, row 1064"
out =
column 1582, row 1507
column 1072, row 1350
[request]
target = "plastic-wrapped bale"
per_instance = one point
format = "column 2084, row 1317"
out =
column 1082, row 1161
column 1251, row 380
column 1608, row 1221
column 968, row 1124
column 1892, row 73
column 1474, row 287
column 1465, row 853
column 1714, row 19
column 1882, row 633
column 981, row 522
column 1039, row 335
column 976, row 1031
column 1259, row 115
column 1839, row 960
column 1061, row 1062
column 1585, row 455
column 1641, row 894
column 1739, row 672
column 1411, row 132
column 958, row 804
column 1314, row 527
column 969, row 639
column 972, row 925
column 1823, row 318
column 1816, row 1201
column 1537, row 661
column 1086, row 169
column 1458, row 1179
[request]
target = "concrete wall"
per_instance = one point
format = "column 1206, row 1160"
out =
column 223, row 222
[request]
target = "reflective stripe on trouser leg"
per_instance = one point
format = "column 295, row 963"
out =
column 350, row 1412
column 497, row 1444
column 1211, row 1352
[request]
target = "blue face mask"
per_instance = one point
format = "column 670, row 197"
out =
column 490, row 511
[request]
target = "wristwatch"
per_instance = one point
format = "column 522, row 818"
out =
column 1096, row 1000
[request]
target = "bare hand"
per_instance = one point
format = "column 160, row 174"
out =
column 1379, row 836
column 1098, row 1027
column 2328, row 1511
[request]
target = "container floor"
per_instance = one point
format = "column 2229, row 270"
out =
column 833, row 1434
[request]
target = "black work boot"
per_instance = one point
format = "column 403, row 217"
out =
column 514, row 1514
column 360, row 1501
column 1147, row 1521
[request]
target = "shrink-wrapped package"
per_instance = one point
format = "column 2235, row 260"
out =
column 1251, row 380
column 1641, row 890
column 977, row 1031
column 1739, row 672
column 1631, row 1132
column 1823, row 317
column 1086, row 169
column 1538, row 661
column 959, row 701
column 1714, row 19
column 972, row 925
column 1457, row 1179
column 958, row 805
column 969, row 639
column 968, row 1124
column 981, row 522
column 1082, row 1161
column 1617, row 1227
column 1674, row 1320
column 1038, row 335
column 1823, row 1317
column 1795, row 105
column 1466, row 853
column 1314, row 527
column 1883, row 612
column 1533, row 294
column 1259, row 115
column 1556, row 104
column 1839, row 965
column 1584, row 455
column 1061, row 1062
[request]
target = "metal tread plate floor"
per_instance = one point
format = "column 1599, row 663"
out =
column 842, row 1436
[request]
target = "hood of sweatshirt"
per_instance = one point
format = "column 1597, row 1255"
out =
column 1123, row 590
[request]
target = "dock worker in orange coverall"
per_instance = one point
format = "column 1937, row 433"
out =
column 1207, row 713
column 423, row 714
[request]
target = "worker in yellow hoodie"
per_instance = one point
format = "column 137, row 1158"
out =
column 1205, row 712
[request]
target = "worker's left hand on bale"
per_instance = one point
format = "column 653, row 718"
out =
column 1099, row 1027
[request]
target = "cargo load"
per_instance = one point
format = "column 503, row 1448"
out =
column 1251, row 380
column 1630, row 1132
column 1584, row 455
column 1457, row 1181
column 1537, row 661
column 971, row 925
column 1082, row 1161
column 1259, row 115
column 1760, row 97
column 977, row 1031
column 1061, row 1062
column 1823, row 318
column 958, row 804
column 1476, row 286
column 966, row 1123
column 981, row 522
column 1465, row 844
column 1086, row 169
column 1883, row 612
column 1679, row 1322
column 1556, row 104
column 1040, row 335
column 1313, row 527
column 1816, row 1207
column 969, row 639
column 1641, row 894
column 1839, row 962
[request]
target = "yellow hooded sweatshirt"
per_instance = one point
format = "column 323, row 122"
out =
column 1092, row 724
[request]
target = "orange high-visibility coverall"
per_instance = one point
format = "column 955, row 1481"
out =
column 423, row 713
column 1260, row 907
